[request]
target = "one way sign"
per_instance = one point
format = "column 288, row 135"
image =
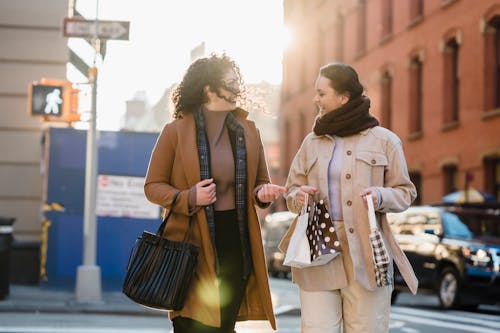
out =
column 78, row 27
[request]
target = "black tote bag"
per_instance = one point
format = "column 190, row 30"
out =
column 159, row 270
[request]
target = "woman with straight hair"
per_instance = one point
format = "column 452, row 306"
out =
column 347, row 156
column 213, row 156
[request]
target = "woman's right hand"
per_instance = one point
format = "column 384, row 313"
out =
column 205, row 192
column 304, row 190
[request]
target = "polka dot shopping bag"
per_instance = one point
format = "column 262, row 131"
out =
column 323, row 241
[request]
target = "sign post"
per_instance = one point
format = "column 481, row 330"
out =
column 88, row 278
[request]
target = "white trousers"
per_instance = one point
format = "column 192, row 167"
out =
column 353, row 309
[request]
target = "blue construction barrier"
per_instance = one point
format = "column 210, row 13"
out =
column 120, row 154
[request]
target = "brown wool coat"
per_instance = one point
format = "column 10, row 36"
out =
column 174, row 166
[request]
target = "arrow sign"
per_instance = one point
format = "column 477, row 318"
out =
column 78, row 27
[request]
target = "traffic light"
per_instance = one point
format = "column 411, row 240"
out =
column 53, row 100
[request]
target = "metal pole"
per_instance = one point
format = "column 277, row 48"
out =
column 89, row 229
column 88, row 279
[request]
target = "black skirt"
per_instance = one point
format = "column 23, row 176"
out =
column 231, row 283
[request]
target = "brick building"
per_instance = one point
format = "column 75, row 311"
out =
column 431, row 69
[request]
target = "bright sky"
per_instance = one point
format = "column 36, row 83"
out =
column 162, row 35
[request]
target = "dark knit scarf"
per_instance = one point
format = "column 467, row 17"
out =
column 237, row 138
column 351, row 118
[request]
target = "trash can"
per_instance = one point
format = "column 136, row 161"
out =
column 6, row 231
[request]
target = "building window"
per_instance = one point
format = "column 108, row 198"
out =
column 303, row 125
column 416, row 84
column 303, row 72
column 416, row 179
column 361, row 21
column 492, row 64
column 492, row 176
column 288, row 140
column 416, row 9
column 386, row 100
column 386, row 18
column 450, row 178
column 321, row 47
column 339, row 40
column 451, row 82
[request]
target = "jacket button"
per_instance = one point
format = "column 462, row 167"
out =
column 373, row 161
column 349, row 153
column 348, row 176
column 351, row 230
column 349, row 203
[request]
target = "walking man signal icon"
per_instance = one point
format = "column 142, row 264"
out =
column 53, row 102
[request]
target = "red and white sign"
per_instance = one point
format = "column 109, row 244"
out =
column 123, row 196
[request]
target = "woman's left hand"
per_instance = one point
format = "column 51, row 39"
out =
column 374, row 197
column 270, row 192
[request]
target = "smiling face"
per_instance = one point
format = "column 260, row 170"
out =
column 326, row 98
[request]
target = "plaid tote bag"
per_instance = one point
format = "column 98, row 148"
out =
column 380, row 257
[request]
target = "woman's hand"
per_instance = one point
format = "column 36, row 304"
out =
column 270, row 192
column 304, row 190
column 374, row 197
column 205, row 192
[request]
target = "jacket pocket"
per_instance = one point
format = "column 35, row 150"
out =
column 370, row 168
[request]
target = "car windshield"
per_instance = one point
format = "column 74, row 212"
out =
column 480, row 224
column 454, row 227
column 415, row 222
column 467, row 225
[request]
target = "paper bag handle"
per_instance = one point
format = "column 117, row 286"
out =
column 371, row 212
column 306, row 203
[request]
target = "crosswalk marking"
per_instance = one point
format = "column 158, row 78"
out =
column 439, row 323
column 409, row 330
column 491, row 321
column 26, row 329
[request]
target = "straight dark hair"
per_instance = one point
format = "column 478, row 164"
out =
column 343, row 79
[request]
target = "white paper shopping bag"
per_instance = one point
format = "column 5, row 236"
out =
column 298, row 253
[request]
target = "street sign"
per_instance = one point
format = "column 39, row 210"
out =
column 79, row 27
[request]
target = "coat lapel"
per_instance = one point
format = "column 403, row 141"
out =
column 188, row 149
column 252, row 149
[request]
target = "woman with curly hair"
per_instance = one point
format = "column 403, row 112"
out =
column 213, row 156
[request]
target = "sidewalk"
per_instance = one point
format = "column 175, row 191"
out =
column 35, row 299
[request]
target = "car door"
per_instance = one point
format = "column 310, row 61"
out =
column 418, row 234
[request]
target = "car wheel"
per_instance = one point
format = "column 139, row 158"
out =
column 448, row 288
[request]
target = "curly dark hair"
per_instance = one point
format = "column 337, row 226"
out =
column 189, row 94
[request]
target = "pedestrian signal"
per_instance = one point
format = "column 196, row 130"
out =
column 46, row 100
column 53, row 100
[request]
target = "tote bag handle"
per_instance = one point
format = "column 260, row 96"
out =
column 159, row 232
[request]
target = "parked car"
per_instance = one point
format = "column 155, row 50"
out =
column 455, row 252
column 273, row 229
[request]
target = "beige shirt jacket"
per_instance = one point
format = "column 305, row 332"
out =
column 373, row 158
column 174, row 166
